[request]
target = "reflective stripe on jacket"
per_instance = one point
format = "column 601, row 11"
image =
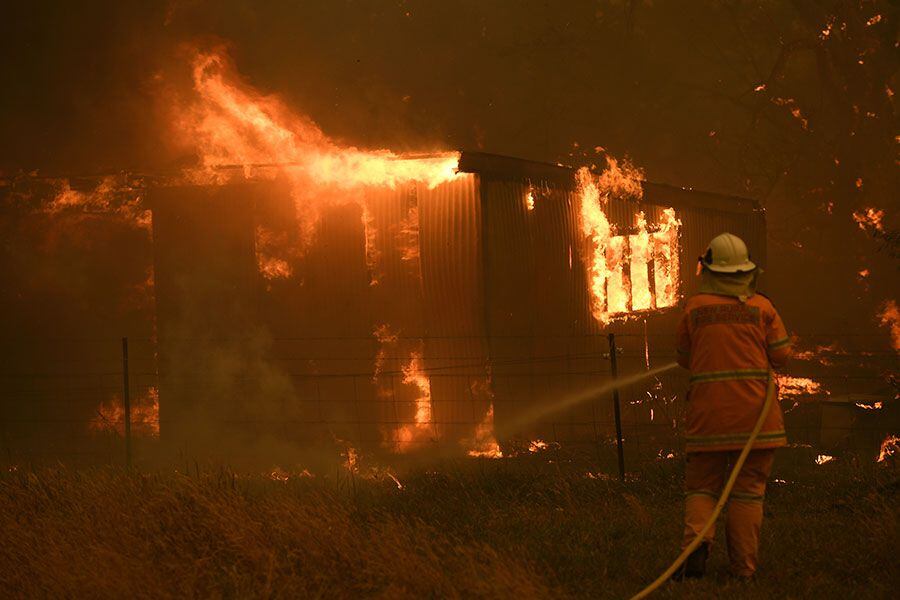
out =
column 729, row 347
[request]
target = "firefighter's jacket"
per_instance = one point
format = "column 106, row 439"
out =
column 729, row 347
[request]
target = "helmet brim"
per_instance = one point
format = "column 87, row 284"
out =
column 744, row 267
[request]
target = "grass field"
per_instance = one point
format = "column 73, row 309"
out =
column 523, row 528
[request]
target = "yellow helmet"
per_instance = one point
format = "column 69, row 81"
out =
column 727, row 253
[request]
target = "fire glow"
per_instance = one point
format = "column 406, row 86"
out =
column 889, row 447
column 144, row 415
column 632, row 272
column 889, row 317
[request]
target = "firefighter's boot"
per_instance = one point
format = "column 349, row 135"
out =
column 694, row 567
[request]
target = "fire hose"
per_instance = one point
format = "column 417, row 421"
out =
column 723, row 498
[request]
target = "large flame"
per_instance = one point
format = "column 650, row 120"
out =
column 230, row 123
column 620, row 266
column 597, row 229
column 665, row 260
column 639, row 245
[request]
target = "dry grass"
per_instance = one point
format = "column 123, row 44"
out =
column 495, row 529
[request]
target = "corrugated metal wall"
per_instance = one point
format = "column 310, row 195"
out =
column 492, row 294
column 543, row 340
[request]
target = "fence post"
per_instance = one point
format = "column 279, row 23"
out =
column 126, row 402
column 618, row 412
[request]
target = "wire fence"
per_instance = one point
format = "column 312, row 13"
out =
column 76, row 400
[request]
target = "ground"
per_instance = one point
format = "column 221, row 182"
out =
column 524, row 527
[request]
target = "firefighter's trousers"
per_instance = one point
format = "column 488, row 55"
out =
column 705, row 475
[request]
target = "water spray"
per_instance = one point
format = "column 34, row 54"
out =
column 577, row 398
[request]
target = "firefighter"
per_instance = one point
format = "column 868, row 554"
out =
column 729, row 337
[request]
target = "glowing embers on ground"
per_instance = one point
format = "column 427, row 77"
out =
column 144, row 415
column 633, row 272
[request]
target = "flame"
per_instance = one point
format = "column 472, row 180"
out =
column 279, row 474
column 351, row 459
column 793, row 387
column 618, row 284
column 889, row 447
column 227, row 122
column 268, row 245
column 144, row 415
column 422, row 426
column 231, row 123
column 110, row 197
column 387, row 338
column 824, row 458
column 639, row 245
column 597, row 229
column 408, row 237
column 537, row 446
column 873, row 406
column 889, row 316
column 621, row 182
column 665, row 260
column 615, row 290
column 870, row 218
column 413, row 374
column 484, row 444
column 822, row 353
column 529, row 199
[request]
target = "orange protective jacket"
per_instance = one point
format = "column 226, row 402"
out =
column 729, row 347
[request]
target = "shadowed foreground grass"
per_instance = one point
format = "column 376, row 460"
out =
column 492, row 528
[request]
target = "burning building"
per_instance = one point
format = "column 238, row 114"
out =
column 427, row 309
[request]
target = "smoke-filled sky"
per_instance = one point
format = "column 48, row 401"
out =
column 790, row 103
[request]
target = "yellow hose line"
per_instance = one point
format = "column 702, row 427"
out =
column 723, row 498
